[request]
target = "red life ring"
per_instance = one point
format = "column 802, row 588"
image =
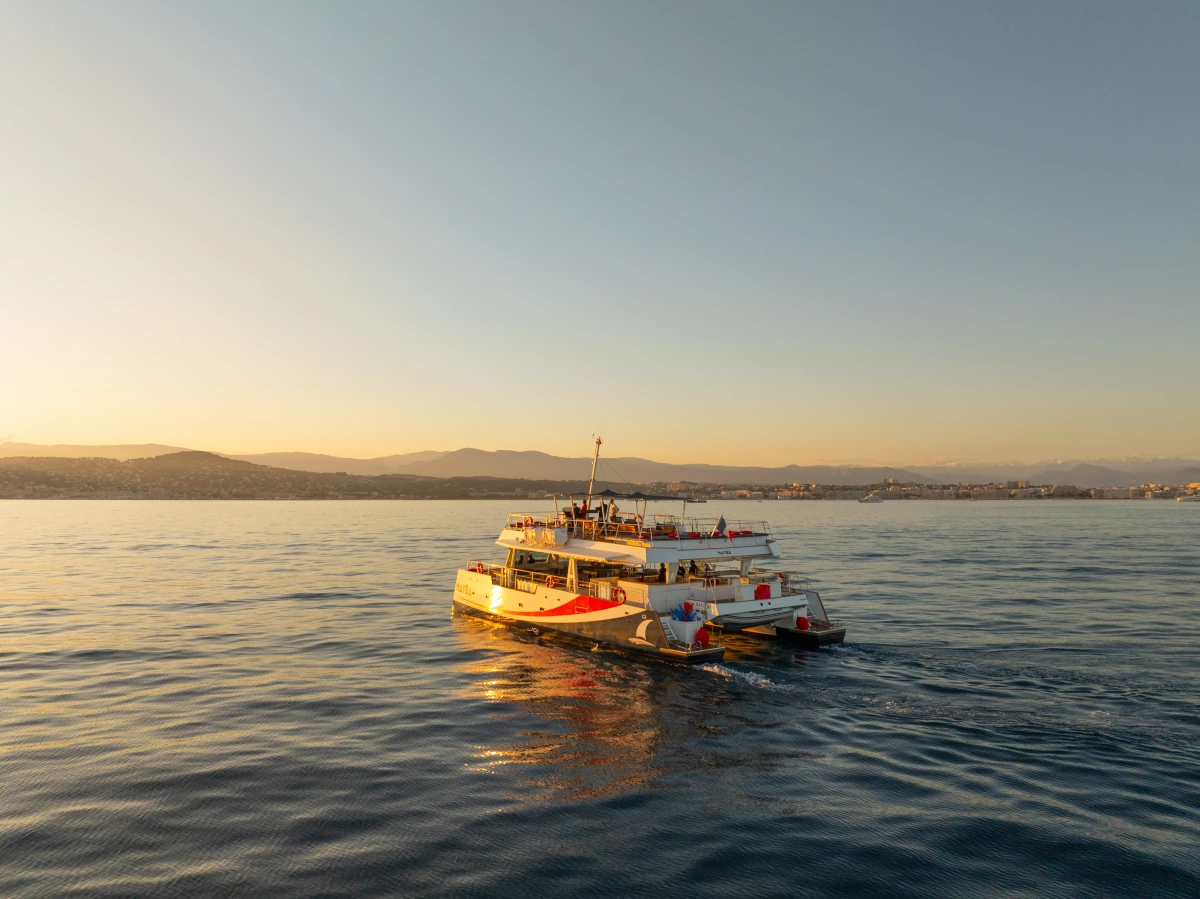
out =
column 528, row 521
column 618, row 594
column 551, row 582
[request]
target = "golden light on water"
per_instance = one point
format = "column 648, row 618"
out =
column 579, row 726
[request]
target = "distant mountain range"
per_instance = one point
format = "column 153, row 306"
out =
column 534, row 465
column 1095, row 473
column 529, row 464
column 1085, row 475
column 191, row 474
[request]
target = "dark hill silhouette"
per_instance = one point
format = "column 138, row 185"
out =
column 198, row 460
column 395, row 464
column 199, row 475
column 1182, row 476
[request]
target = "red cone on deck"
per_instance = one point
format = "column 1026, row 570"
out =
column 801, row 623
column 702, row 637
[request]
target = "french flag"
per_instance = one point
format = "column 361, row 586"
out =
column 719, row 530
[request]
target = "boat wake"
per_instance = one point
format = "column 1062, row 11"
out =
column 750, row 678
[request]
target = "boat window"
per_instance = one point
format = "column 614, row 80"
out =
column 535, row 558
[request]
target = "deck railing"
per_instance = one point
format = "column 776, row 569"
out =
column 601, row 587
column 518, row 578
column 633, row 529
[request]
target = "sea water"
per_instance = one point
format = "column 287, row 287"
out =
column 274, row 699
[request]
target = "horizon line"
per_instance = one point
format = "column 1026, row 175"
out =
column 856, row 463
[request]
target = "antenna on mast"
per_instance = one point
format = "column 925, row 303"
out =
column 592, row 479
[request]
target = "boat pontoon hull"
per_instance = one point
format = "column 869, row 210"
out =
column 812, row 631
column 817, row 635
column 582, row 619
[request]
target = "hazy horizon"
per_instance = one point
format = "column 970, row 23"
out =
column 746, row 236
column 749, row 462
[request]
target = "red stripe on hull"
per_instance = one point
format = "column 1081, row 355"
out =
column 580, row 605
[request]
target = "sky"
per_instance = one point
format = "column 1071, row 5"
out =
column 762, row 233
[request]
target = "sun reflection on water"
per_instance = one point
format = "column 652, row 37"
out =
column 600, row 726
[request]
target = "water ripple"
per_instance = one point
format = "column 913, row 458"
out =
column 273, row 699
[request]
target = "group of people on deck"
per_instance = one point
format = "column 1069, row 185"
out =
column 606, row 512
column 682, row 573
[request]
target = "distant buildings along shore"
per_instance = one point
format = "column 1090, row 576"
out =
column 1013, row 490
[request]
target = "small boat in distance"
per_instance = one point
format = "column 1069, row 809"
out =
column 665, row 585
column 1190, row 498
column 872, row 497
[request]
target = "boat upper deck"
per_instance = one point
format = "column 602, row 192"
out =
column 666, row 538
column 623, row 528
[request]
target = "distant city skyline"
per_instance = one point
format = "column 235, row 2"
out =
column 767, row 235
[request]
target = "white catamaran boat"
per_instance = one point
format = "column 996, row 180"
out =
column 663, row 585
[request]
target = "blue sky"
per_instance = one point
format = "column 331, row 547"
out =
column 761, row 233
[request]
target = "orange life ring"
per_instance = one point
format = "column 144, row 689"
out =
column 551, row 582
column 618, row 594
column 528, row 521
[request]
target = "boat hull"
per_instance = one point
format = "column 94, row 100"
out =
column 743, row 614
column 813, row 638
column 816, row 635
column 580, row 619
column 749, row 618
column 819, row 631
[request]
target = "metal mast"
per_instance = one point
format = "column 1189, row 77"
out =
column 592, row 479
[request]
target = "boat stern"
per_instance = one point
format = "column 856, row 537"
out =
column 807, row 626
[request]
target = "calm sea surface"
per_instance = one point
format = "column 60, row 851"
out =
column 273, row 699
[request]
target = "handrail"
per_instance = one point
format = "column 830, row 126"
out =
column 705, row 527
column 519, row 578
column 791, row 583
column 633, row 528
